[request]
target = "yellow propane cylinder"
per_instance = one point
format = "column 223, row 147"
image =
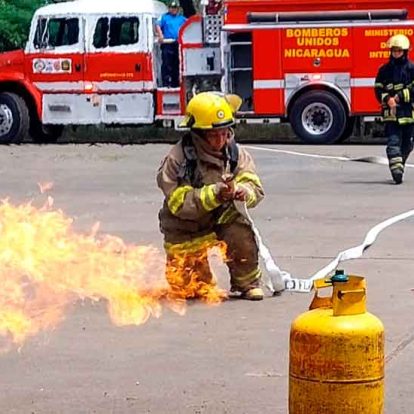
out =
column 336, row 361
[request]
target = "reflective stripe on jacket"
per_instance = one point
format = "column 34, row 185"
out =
column 192, row 209
column 396, row 80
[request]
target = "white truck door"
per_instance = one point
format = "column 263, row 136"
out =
column 119, row 68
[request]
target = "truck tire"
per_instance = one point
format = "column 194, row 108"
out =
column 349, row 129
column 45, row 134
column 14, row 118
column 318, row 117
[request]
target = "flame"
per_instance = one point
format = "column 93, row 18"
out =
column 45, row 266
column 189, row 273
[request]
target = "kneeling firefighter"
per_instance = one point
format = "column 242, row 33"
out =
column 201, row 177
column 394, row 89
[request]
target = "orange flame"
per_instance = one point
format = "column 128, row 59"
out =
column 45, row 266
column 189, row 274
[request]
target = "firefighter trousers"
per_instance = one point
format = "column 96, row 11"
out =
column 400, row 142
column 188, row 270
column 170, row 65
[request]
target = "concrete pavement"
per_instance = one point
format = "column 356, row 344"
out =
column 232, row 358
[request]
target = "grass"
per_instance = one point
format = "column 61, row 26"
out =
column 281, row 134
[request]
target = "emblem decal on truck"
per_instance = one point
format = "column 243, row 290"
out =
column 52, row 66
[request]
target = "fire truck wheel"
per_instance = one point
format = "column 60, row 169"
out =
column 318, row 117
column 45, row 134
column 349, row 129
column 14, row 118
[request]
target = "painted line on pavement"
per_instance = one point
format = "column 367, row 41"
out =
column 369, row 159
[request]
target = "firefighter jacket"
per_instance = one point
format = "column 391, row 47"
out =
column 396, row 79
column 191, row 207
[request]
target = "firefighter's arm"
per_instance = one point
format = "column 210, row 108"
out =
column 380, row 92
column 407, row 94
column 159, row 34
column 158, row 29
column 410, row 86
column 185, row 201
column 248, row 184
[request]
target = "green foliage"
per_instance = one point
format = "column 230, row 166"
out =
column 15, row 17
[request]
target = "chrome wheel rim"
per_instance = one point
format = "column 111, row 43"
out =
column 317, row 118
column 6, row 119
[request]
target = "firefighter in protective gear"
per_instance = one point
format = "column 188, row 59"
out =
column 394, row 89
column 200, row 177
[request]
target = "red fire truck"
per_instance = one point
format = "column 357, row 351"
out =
column 310, row 63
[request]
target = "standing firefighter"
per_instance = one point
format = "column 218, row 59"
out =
column 394, row 88
column 200, row 178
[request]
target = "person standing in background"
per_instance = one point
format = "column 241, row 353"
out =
column 394, row 89
column 167, row 30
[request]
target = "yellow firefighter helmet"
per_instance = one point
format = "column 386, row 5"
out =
column 208, row 110
column 399, row 41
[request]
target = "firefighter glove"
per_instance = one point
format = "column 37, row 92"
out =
column 241, row 193
column 224, row 192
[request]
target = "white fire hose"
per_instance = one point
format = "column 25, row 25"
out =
column 277, row 280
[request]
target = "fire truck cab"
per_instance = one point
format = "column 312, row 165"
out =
column 310, row 63
column 85, row 62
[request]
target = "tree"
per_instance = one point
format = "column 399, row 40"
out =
column 15, row 17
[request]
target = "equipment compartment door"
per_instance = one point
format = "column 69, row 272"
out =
column 241, row 68
column 128, row 108
column 317, row 49
column 268, row 78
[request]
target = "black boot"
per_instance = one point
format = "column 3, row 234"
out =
column 397, row 169
column 397, row 172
